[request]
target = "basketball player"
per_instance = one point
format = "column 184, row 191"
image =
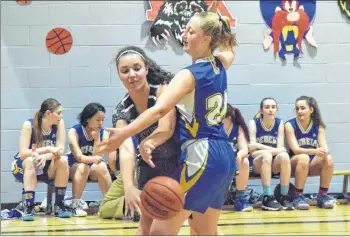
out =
column 113, row 204
column 309, row 152
column 268, row 154
column 46, row 132
column 200, row 93
column 237, row 132
column 145, row 81
column 84, row 161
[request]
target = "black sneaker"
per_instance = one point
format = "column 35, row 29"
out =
column 136, row 217
column 286, row 204
column 28, row 213
column 62, row 211
column 269, row 203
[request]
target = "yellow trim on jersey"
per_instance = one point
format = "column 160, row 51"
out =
column 307, row 130
column 192, row 129
column 186, row 185
column 265, row 128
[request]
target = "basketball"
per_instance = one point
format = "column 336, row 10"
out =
column 162, row 198
column 59, row 41
column 23, row 2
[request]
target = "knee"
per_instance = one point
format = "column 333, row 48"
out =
column 303, row 161
column 102, row 168
column 284, row 157
column 267, row 158
column 244, row 165
column 82, row 169
column 28, row 164
column 329, row 163
column 62, row 162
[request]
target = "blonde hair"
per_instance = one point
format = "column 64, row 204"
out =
column 218, row 27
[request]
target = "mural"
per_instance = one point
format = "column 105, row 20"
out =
column 171, row 17
column 290, row 23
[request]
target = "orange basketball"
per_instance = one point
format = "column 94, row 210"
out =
column 162, row 198
column 23, row 2
column 59, row 41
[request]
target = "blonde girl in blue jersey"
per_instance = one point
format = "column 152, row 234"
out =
column 268, row 154
column 309, row 152
column 46, row 132
column 200, row 124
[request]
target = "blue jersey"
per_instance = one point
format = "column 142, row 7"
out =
column 267, row 137
column 233, row 136
column 48, row 139
column 201, row 112
column 86, row 145
column 306, row 138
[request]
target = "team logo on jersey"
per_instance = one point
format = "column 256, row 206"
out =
column 289, row 22
column 345, row 7
column 172, row 16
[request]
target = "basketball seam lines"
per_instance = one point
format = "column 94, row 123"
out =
column 59, row 41
column 159, row 202
column 171, row 191
column 55, row 36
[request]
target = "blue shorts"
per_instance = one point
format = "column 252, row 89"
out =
column 72, row 161
column 18, row 172
column 206, row 172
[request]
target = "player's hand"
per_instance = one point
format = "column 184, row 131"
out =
column 97, row 159
column 41, row 161
column 132, row 201
column 146, row 149
column 321, row 152
column 116, row 138
column 253, row 147
column 57, row 155
column 214, row 6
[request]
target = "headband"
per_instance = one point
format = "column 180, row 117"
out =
column 131, row 51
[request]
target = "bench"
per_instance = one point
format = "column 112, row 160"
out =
column 345, row 173
column 51, row 186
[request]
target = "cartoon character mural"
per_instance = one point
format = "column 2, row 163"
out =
column 345, row 7
column 290, row 23
column 172, row 16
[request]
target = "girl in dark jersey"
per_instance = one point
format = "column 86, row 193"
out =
column 237, row 133
column 46, row 132
column 145, row 81
column 84, row 162
column 268, row 154
column 309, row 152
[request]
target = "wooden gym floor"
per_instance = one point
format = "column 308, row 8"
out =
column 316, row 221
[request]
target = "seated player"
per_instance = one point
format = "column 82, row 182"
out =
column 268, row 154
column 309, row 151
column 47, row 133
column 84, row 162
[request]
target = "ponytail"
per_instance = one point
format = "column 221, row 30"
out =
column 237, row 119
column 38, row 118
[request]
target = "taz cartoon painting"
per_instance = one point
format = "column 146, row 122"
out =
column 171, row 17
column 290, row 23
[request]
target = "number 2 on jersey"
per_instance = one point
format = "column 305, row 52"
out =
column 216, row 106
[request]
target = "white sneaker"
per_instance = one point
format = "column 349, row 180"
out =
column 77, row 208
